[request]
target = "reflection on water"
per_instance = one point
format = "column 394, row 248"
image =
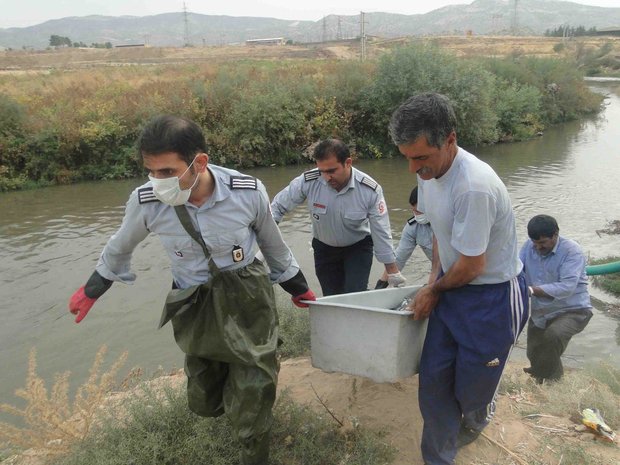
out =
column 50, row 240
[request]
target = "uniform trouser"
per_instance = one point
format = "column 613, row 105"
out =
column 341, row 270
column 470, row 335
column 545, row 346
column 228, row 329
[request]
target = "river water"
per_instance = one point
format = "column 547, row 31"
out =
column 50, row 240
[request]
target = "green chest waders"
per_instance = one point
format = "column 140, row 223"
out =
column 228, row 330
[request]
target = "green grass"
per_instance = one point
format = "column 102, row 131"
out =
column 156, row 431
column 608, row 282
column 596, row 386
column 294, row 327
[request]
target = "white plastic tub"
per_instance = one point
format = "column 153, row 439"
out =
column 359, row 334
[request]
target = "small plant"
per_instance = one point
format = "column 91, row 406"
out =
column 608, row 375
column 160, row 430
column 52, row 422
column 294, row 327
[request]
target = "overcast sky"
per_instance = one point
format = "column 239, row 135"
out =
column 20, row 13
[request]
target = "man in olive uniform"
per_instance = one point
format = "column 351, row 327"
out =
column 349, row 220
column 212, row 222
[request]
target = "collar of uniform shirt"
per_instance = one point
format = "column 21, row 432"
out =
column 221, row 190
column 350, row 183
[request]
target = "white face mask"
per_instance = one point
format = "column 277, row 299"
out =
column 421, row 218
column 168, row 190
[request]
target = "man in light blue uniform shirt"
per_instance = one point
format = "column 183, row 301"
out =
column 349, row 219
column 211, row 222
column 417, row 231
column 476, row 297
column 555, row 271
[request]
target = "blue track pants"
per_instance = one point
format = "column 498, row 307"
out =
column 469, row 338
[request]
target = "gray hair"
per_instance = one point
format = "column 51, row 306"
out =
column 429, row 114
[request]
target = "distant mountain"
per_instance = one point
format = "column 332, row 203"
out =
column 479, row 17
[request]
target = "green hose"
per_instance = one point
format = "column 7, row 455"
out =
column 605, row 268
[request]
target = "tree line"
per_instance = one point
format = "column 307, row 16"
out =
column 81, row 125
column 61, row 41
column 570, row 31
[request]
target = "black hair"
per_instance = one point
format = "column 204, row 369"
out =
column 542, row 226
column 169, row 133
column 332, row 147
column 429, row 114
column 413, row 197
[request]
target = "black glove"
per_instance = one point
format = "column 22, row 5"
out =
column 96, row 286
column 297, row 285
column 381, row 284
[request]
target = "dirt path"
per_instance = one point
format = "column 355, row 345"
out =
column 393, row 408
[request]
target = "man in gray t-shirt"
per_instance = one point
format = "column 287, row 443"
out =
column 476, row 297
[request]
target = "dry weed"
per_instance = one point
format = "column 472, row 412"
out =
column 52, row 421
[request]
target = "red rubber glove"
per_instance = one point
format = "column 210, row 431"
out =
column 80, row 304
column 308, row 295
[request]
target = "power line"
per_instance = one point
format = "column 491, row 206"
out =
column 324, row 34
column 514, row 26
column 362, row 36
column 186, row 20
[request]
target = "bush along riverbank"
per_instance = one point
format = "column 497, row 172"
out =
column 68, row 126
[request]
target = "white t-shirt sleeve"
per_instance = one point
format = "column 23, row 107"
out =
column 475, row 214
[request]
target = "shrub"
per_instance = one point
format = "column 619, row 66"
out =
column 518, row 109
column 565, row 95
column 69, row 126
column 52, row 422
column 12, row 115
column 266, row 126
column 422, row 68
column 162, row 431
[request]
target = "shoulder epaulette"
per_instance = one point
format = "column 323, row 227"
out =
column 411, row 220
column 146, row 195
column 312, row 175
column 370, row 183
column 243, row 182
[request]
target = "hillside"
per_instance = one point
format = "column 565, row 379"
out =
column 532, row 17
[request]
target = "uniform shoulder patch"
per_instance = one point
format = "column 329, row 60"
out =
column 312, row 175
column 370, row 183
column 146, row 195
column 243, row 182
column 411, row 220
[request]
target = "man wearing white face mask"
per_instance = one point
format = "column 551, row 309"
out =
column 212, row 222
column 416, row 232
column 169, row 191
